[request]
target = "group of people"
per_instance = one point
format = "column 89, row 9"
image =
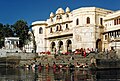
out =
column 81, row 51
column 56, row 66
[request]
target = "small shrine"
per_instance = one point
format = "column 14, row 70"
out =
column 11, row 42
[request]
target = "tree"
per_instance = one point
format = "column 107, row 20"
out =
column 1, row 36
column 21, row 30
column 5, row 31
column 8, row 32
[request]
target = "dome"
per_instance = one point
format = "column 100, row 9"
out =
column 67, row 9
column 51, row 14
column 60, row 11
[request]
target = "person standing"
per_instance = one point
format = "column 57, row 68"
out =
column 84, row 53
column 40, row 67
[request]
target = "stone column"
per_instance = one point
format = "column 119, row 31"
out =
column 15, row 44
column 10, row 44
column 48, row 46
column 65, row 47
column 57, row 48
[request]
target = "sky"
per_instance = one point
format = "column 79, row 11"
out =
column 39, row 10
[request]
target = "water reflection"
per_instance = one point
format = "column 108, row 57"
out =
column 58, row 75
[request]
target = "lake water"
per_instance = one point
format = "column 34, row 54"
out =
column 58, row 75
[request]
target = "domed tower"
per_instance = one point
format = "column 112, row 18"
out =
column 60, row 11
column 38, row 29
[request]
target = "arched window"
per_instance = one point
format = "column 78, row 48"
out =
column 77, row 21
column 101, row 21
column 51, row 31
column 67, row 15
column 60, row 28
column 88, row 20
column 66, row 26
column 59, row 17
column 40, row 30
column 57, row 28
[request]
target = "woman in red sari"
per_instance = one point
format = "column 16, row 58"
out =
column 40, row 67
column 84, row 53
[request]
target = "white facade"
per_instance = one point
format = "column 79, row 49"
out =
column 11, row 42
column 40, row 33
column 70, row 30
column 112, row 31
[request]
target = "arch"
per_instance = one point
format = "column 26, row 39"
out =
column 51, row 31
column 58, row 17
column 88, row 20
column 101, row 21
column 67, row 26
column 99, row 44
column 67, row 15
column 60, row 27
column 60, row 44
column 52, row 46
column 77, row 21
column 69, row 45
column 40, row 30
column 57, row 28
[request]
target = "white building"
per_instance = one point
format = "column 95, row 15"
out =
column 11, row 44
column 70, row 30
column 112, row 31
column 28, row 47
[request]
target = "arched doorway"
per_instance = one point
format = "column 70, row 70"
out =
column 99, row 44
column 60, row 48
column 69, row 45
column 52, row 46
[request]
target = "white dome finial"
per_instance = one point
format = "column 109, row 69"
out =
column 67, row 10
column 51, row 14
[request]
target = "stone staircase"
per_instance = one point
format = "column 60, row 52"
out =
column 64, row 59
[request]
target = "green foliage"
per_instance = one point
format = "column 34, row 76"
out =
column 5, row 31
column 21, row 30
column 1, row 35
column 8, row 30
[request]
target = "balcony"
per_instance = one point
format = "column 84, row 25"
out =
column 117, row 39
column 57, row 34
column 114, row 39
column 113, row 28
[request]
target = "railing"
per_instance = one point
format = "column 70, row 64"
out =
column 60, row 33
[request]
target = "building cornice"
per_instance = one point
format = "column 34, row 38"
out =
column 112, row 16
column 59, row 36
column 110, row 31
column 59, row 23
column 39, row 24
